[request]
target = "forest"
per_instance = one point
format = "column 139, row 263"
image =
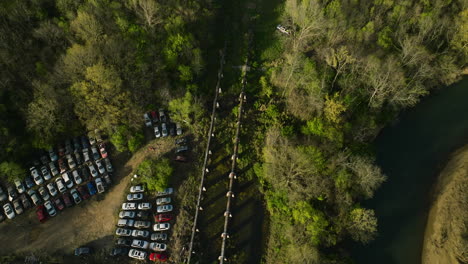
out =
column 320, row 94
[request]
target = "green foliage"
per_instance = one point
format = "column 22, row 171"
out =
column 155, row 173
column 12, row 171
column 119, row 138
column 384, row 38
column 135, row 142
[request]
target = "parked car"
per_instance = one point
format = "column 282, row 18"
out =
column 134, row 197
column 45, row 173
column 124, row 242
column 8, row 209
column 86, row 157
column 60, row 185
column 136, row 243
column 144, row 206
column 167, row 191
column 66, row 200
column 107, row 179
column 157, row 133
column 76, row 177
column 59, row 204
column 127, row 214
column 163, row 217
column 179, row 129
column 67, row 180
column 91, row 188
column 44, row 193
column 34, row 197
column 108, row 164
column 142, row 224
column 129, row 206
column 137, row 189
column 161, row 226
column 52, row 190
column 84, row 142
column 17, row 206
column 102, row 149
column 36, row 177
column 123, row 232
column 140, row 233
column 137, row 254
column 125, row 222
column 76, row 197
column 83, row 192
column 50, row 208
column 71, row 162
column 92, row 170
column 78, row 158
column 85, row 173
column 162, row 115
column 25, row 201
column 158, row 246
column 3, row 195
column 29, row 182
column 101, row 168
column 164, row 129
column 181, row 149
column 52, row 155
column 62, row 166
column 181, row 141
column 158, row 236
column 95, row 153
column 12, row 194
column 82, row 251
column 164, row 208
column 92, row 141
column 171, row 129
column 41, row 214
column 180, row 158
column 147, row 120
column 99, row 185
column 154, row 117
column 163, row 200
column 158, row 257
column 115, row 252
column 61, row 151
column 20, row 186
column 53, row 169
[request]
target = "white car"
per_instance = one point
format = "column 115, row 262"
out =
column 95, row 152
column 99, row 185
column 71, row 162
column 178, row 129
column 52, row 189
column 125, row 222
column 50, row 208
column 157, row 133
column 164, row 129
column 158, row 246
column 137, row 189
column 164, row 208
column 45, row 173
column 92, row 170
column 60, row 185
column 134, row 197
column 140, row 233
column 142, row 224
column 144, row 206
column 53, row 169
column 17, row 206
column 282, row 29
column 67, row 180
column 167, row 191
column 136, row 243
column 127, row 214
column 86, row 155
column 9, row 211
column 129, row 206
column 164, row 200
column 101, row 168
column 44, row 193
column 137, row 254
column 36, row 177
column 123, row 232
column 76, row 177
column 20, row 186
column 161, row 226
column 76, row 197
column 52, row 155
column 158, row 236
column 147, row 120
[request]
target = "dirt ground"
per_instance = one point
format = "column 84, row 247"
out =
column 93, row 222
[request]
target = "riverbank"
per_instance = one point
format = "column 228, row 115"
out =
column 445, row 238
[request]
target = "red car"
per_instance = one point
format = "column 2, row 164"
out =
column 163, row 217
column 154, row 116
column 83, row 192
column 67, row 200
column 41, row 214
column 158, row 257
column 58, row 204
column 102, row 149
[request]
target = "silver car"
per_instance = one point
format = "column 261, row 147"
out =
column 20, row 186
column 158, row 246
column 134, row 197
column 136, row 243
column 60, row 185
column 101, row 168
column 45, row 173
column 17, row 206
column 52, row 189
column 9, row 211
column 164, row 129
column 50, row 208
column 36, row 177
column 53, row 169
column 123, row 232
column 161, row 226
column 164, row 208
column 157, row 133
column 140, row 233
column 163, row 201
column 158, row 236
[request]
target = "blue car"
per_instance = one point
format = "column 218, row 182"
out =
column 91, row 188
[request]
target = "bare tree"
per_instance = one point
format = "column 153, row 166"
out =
column 147, row 11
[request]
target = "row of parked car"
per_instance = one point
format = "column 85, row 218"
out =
column 78, row 162
column 161, row 125
column 132, row 225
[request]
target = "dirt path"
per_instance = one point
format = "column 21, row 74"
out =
column 91, row 222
